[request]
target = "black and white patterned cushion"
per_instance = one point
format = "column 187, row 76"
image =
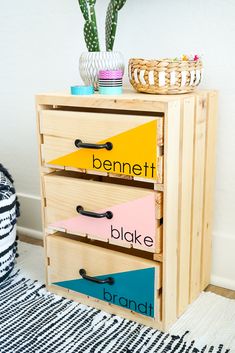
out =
column 9, row 211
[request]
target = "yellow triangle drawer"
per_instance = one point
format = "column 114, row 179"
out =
column 103, row 143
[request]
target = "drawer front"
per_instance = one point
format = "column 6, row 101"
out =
column 135, row 213
column 134, row 142
column 124, row 277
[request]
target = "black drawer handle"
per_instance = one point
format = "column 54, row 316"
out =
column 108, row 280
column 107, row 145
column 107, row 214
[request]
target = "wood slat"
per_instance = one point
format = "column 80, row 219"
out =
column 159, row 202
column 130, row 100
column 209, row 183
column 198, row 189
column 158, row 257
column 170, row 207
column 92, row 127
column 159, row 242
column 185, row 200
column 96, row 195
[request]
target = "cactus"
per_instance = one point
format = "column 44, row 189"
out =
column 91, row 37
column 90, row 28
column 93, row 16
column 111, row 22
column 118, row 3
column 84, row 9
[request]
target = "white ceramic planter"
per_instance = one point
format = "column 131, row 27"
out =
column 91, row 62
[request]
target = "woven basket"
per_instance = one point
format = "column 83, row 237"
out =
column 164, row 76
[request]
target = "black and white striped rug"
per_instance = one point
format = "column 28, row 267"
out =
column 33, row 320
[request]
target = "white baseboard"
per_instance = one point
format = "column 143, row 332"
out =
column 30, row 212
column 30, row 232
column 223, row 264
column 223, row 245
column 223, row 282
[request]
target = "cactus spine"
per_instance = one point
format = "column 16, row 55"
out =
column 111, row 22
column 90, row 28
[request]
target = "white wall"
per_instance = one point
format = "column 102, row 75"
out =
column 40, row 43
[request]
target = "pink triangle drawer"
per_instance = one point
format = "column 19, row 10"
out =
column 119, row 214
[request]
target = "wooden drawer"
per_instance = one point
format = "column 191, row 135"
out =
column 124, row 277
column 135, row 143
column 135, row 212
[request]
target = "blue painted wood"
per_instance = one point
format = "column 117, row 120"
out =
column 133, row 290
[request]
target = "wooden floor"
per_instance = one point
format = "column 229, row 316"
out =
column 217, row 290
column 27, row 239
column 221, row 291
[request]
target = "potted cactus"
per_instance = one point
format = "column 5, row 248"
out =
column 94, row 60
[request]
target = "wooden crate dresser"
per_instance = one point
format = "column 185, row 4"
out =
column 127, row 198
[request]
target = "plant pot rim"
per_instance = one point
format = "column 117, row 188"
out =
column 102, row 51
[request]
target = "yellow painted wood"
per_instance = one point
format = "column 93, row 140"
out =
column 131, row 158
column 138, row 158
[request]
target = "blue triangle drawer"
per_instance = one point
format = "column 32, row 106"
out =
column 128, row 283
